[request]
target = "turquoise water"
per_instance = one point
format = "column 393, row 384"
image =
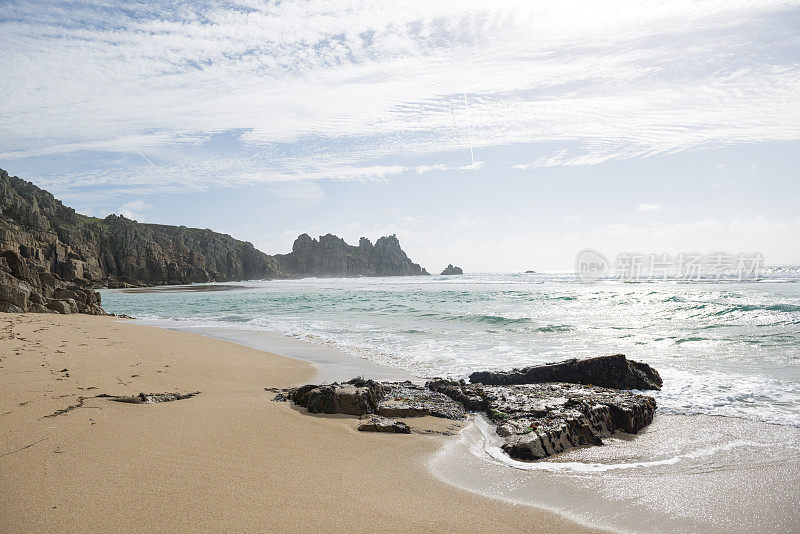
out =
column 723, row 348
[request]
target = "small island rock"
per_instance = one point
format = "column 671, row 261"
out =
column 450, row 270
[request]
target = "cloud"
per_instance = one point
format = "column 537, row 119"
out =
column 134, row 209
column 649, row 208
column 347, row 90
column 727, row 231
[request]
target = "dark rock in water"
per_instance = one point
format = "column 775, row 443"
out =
column 355, row 397
column 382, row 424
column 535, row 420
column 606, row 371
column 539, row 420
column 332, row 256
column 405, row 399
column 450, row 270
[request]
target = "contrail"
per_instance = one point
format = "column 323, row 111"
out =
column 147, row 160
column 469, row 133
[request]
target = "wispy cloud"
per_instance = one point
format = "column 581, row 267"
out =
column 347, row 90
column 135, row 209
column 649, row 208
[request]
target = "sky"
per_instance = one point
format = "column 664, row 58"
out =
column 499, row 136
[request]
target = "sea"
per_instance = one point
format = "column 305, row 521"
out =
column 728, row 352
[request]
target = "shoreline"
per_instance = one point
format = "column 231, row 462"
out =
column 682, row 474
column 330, row 364
column 227, row 458
column 601, row 504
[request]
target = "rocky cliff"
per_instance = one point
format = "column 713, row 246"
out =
column 331, row 256
column 50, row 253
column 52, row 258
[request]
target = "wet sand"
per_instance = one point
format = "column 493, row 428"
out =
column 227, row 459
column 330, row 364
column 680, row 474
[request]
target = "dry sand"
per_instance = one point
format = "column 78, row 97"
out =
column 228, row 459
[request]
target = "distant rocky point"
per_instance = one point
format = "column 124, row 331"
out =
column 331, row 256
column 450, row 270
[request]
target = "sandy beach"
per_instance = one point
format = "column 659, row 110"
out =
column 227, row 459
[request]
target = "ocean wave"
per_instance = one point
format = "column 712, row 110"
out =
column 496, row 319
column 720, row 335
column 496, row 454
column 555, row 328
column 690, row 339
column 786, row 308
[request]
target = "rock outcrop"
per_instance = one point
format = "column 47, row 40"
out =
column 28, row 287
column 534, row 420
column 614, row 371
column 451, row 270
column 540, row 420
column 405, row 399
column 331, row 256
column 355, row 397
column 366, row 397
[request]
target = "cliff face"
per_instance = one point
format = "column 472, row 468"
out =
column 151, row 254
column 331, row 256
column 48, row 248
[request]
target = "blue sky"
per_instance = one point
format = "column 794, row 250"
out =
column 498, row 136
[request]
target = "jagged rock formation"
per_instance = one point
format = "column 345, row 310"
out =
column 331, row 256
column 534, row 420
column 451, row 270
column 540, row 420
column 405, row 399
column 356, row 397
column 48, row 248
column 614, row 371
column 28, row 287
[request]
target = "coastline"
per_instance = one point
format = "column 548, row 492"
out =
column 229, row 458
column 683, row 473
